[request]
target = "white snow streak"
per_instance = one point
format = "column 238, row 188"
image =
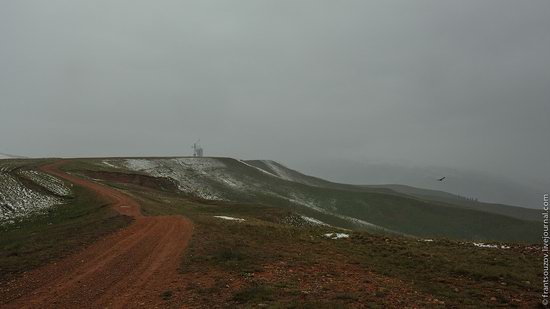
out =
column 336, row 235
column 281, row 173
column 229, row 218
column 314, row 221
column 259, row 169
column 482, row 245
column 109, row 164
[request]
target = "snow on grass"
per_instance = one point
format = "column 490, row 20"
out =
column 310, row 203
column 493, row 246
column 212, row 179
column 259, row 169
column 364, row 224
column 229, row 218
column 201, row 177
column 280, row 172
column 51, row 183
column 336, row 235
column 229, row 182
column 109, row 164
column 142, row 165
column 17, row 201
column 304, row 201
column 314, row 221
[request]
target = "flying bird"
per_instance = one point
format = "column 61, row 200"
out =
column 441, row 179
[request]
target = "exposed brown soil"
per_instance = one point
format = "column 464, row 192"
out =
column 314, row 285
column 157, row 183
column 130, row 268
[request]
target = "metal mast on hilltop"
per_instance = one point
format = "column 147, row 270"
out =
column 197, row 149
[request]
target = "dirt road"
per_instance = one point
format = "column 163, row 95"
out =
column 128, row 269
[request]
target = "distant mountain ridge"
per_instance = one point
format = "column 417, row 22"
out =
column 9, row 156
column 456, row 200
column 485, row 186
column 424, row 194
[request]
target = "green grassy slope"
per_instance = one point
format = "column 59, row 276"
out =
column 439, row 197
column 340, row 205
column 295, row 176
column 269, row 259
column 455, row 200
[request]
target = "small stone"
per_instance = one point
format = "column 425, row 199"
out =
column 493, row 298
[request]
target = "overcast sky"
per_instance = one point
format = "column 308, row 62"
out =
column 458, row 84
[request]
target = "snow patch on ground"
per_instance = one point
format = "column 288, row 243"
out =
column 336, row 235
column 280, row 172
column 314, row 221
column 362, row 223
column 53, row 184
column 5, row 168
column 196, row 176
column 482, row 245
column 229, row 218
column 229, row 182
column 109, row 164
column 259, row 169
column 18, row 201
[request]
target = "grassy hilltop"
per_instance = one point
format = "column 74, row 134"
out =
column 278, row 255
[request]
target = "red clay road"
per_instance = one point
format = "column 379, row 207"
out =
column 128, row 269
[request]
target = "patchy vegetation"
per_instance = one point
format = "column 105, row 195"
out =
column 279, row 258
column 265, row 261
column 379, row 210
column 58, row 230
